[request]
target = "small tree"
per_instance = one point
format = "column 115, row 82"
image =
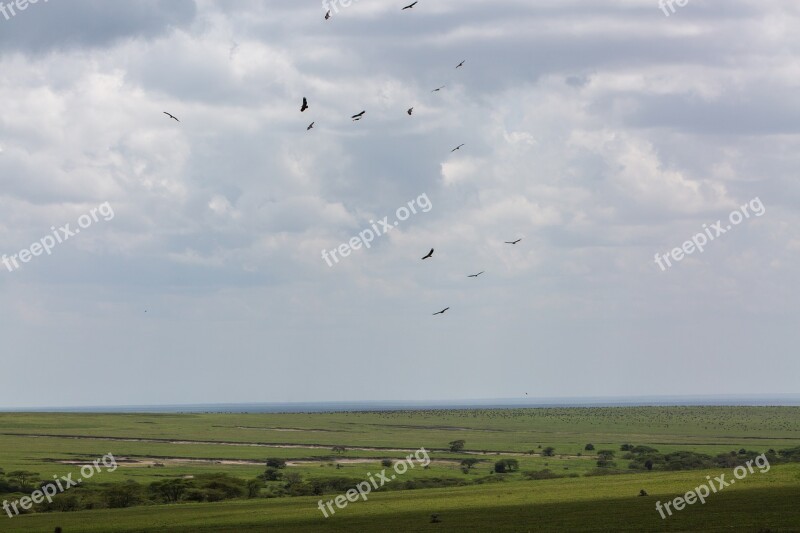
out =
column 589, row 447
column 292, row 479
column 506, row 465
column 605, row 459
column 22, row 477
column 457, row 445
column 170, row 490
column 469, row 463
column 606, row 454
column 276, row 463
column 386, row 462
column 549, row 451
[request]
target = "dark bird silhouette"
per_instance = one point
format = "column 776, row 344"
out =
column 328, row 15
column 476, row 275
column 457, row 148
column 410, row 110
column 409, row 6
column 441, row 312
column 305, row 105
column 310, row 126
column 358, row 116
column 461, row 64
column 513, row 242
column 439, row 89
column 172, row 117
column 430, row 254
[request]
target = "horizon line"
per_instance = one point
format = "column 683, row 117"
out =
column 533, row 402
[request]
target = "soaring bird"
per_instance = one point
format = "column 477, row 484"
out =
column 430, row 254
column 328, row 15
column 461, row 64
column 358, row 116
column 439, row 89
column 410, row 110
column 305, row 105
column 172, row 116
column 476, row 275
column 310, row 126
column 457, row 148
column 513, row 242
column 409, row 6
column 441, row 312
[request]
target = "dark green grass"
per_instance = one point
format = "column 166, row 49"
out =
column 759, row 502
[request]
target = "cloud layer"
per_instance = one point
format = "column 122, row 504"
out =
column 600, row 133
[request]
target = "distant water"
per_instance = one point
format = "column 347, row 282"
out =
column 505, row 403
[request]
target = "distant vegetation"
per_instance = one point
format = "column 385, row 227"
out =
column 274, row 483
column 238, row 457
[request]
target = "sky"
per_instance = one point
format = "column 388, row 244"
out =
column 600, row 133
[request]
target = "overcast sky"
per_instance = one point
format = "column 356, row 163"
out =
column 601, row 133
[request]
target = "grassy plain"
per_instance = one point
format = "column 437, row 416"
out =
column 238, row 444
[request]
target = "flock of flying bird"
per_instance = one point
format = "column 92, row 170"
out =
column 358, row 116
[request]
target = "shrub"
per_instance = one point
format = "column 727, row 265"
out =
column 254, row 488
column 606, row 463
column 457, row 445
column 272, row 474
column 506, row 465
column 122, row 495
column 541, row 474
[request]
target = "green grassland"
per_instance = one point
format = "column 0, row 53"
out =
column 761, row 502
column 238, row 444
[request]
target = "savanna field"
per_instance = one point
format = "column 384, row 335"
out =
column 515, row 470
